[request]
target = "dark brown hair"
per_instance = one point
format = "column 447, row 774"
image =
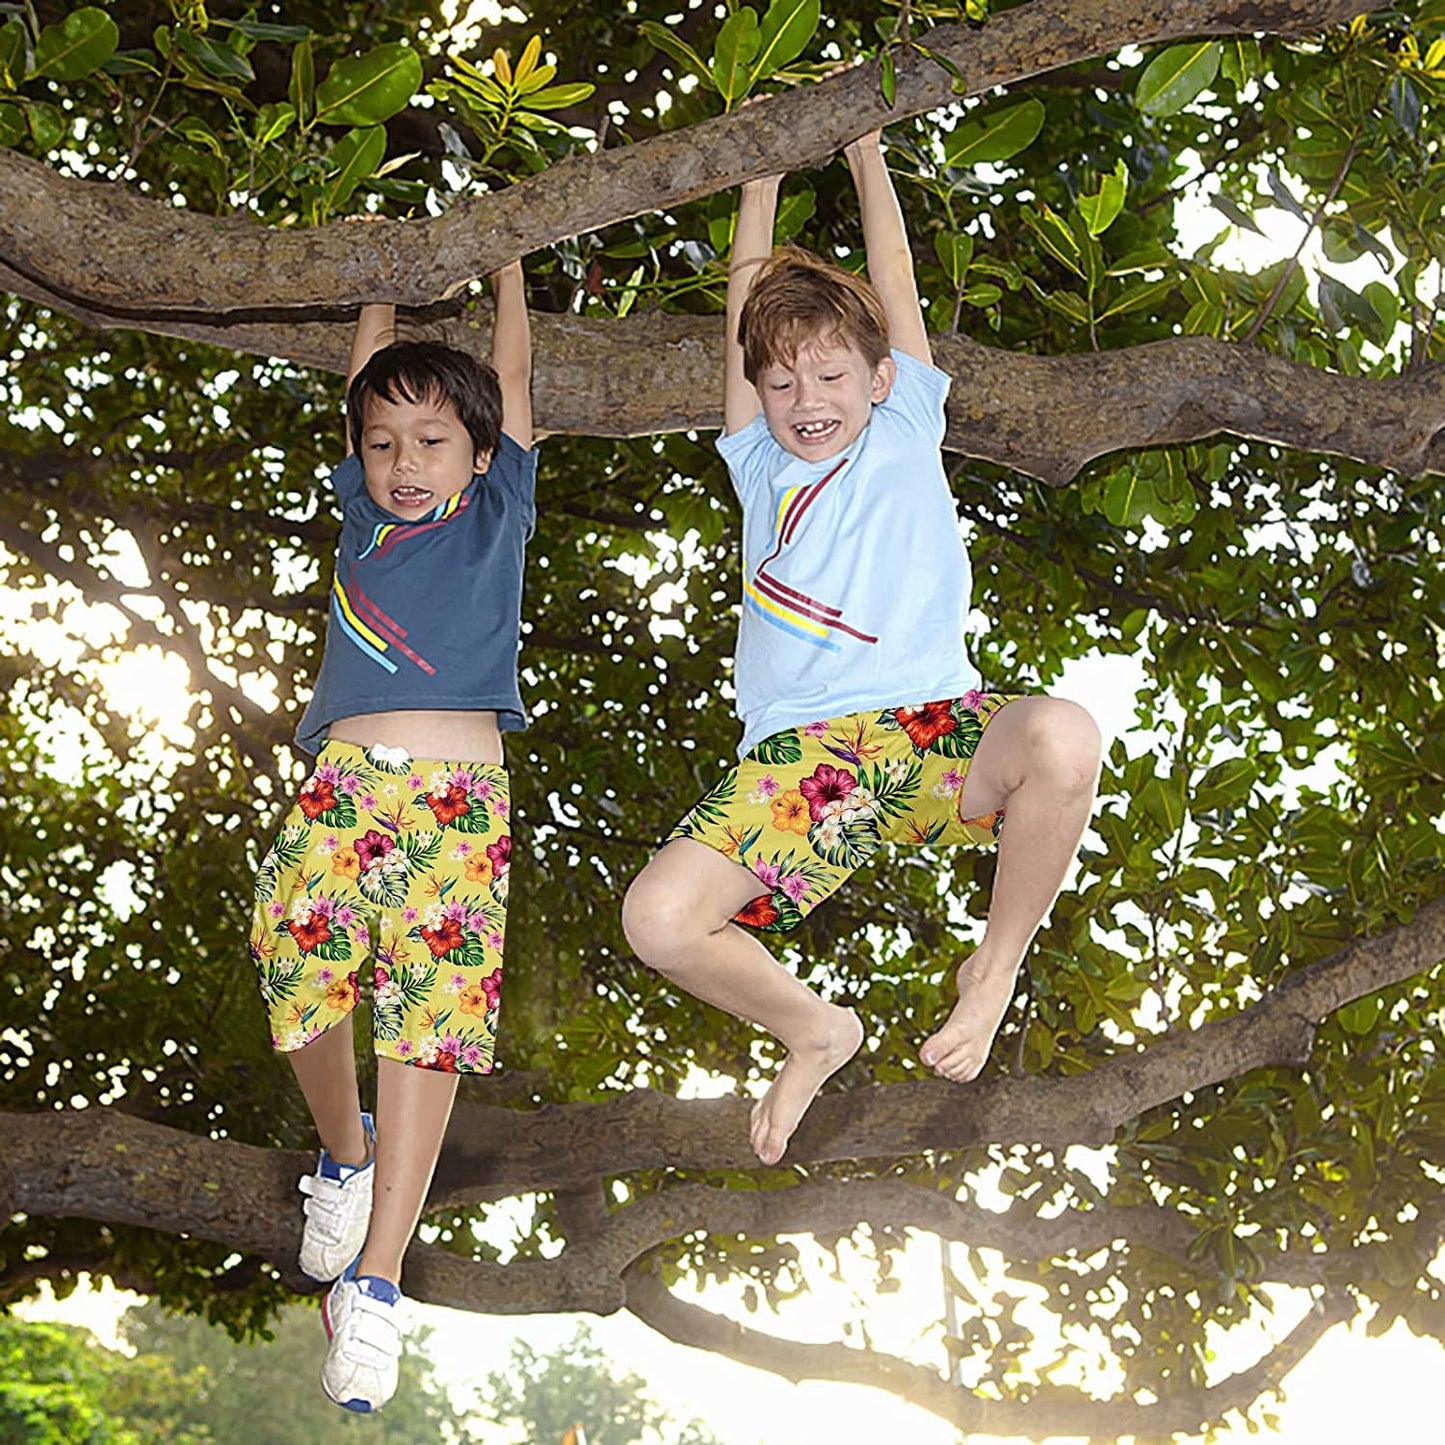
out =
column 417, row 371
column 798, row 299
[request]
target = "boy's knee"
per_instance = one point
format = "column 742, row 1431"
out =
column 654, row 919
column 1066, row 740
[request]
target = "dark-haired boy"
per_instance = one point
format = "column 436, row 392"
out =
column 397, row 852
column 863, row 719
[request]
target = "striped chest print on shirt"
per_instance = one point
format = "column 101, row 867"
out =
column 785, row 607
column 378, row 635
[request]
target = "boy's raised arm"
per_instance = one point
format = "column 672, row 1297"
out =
column 375, row 328
column 890, row 262
column 752, row 245
column 512, row 352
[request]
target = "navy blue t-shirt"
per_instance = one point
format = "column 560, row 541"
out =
column 426, row 614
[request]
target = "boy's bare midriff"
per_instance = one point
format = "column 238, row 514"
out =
column 451, row 737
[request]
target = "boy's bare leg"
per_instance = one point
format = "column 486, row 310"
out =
column 326, row 1071
column 412, row 1109
column 677, row 917
column 1039, row 759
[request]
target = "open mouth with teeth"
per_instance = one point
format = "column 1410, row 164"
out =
column 411, row 496
column 815, row 431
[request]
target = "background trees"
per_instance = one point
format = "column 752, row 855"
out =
column 1226, row 474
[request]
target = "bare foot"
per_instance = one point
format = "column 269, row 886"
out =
column 804, row 1072
column 959, row 1050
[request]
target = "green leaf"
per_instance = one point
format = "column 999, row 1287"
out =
column 1177, row 76
column 784, row 34
column 217, row 60
column 12, row 124
column 195, row 130
column 355, row 156
column 12, row 54
column 996, row 135
column 795, row 210
column 955, row 251
column 365, row 90
column 539, row 78
column 78, row 45
column 985, row 293
column 1235, row 213
column 888, row 79
column 1067, row 303
column 559, row 97
column 47, row 124
column 1101, row 210
column 1128, row 497
column 661, row 38
column 1385, row 302
column 259, row 30
column 1226, row 784
column 273, row 121
column 1058, row 240
column 737, row 44
column 1142, row 296
column 1240, row 59
column 132, row 62
column 1405, row 105
column 301, row 91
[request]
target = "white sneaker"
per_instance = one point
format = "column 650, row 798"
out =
column 338, row 1212
column 363, row 1319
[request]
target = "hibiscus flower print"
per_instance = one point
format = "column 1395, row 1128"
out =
column 310, row 931
column 450, row 805
column 499, row 854
column 827, row 785
column 925, row 725
column 318, row 796
column 371, row 851
column 478, row 869
column 759, row 913
column 443, row 938
column 342, row 994
column 346, row 863
column 791, row 813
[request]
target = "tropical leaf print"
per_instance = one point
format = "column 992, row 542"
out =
column 387, row 1020
column 341, row 814
column 925, row 831
column 893, row 784
column 711, row 810
column 288, row 849
column 279, row 980
column 416, row 983
column 789, row 914
column 477, row 819
column 778, row 750
column 336, row 949
column 845, row 845
column 422, row 851
column 386, row 883
column 962, row 742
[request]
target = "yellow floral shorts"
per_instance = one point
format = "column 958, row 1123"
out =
column 807, row 807
column 401, row 865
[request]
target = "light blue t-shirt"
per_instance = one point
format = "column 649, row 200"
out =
column 426, row 614
column 856, row 582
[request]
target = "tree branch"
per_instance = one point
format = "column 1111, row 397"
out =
column 1045, row 416
column 54, row 230
column 1050, row 1410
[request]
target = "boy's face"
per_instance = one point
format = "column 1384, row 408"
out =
column 416, row 454
column 818, row 404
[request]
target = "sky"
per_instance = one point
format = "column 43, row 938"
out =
column 1348, row 1389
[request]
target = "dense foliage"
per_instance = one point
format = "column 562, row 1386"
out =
column 1287, row 612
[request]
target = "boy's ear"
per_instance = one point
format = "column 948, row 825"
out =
column 884, row 375
column 481, row 460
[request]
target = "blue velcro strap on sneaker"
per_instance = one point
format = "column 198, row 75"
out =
column 374, row 1287
column 330, row 1169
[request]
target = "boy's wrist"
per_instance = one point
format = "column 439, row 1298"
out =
column 763, row 183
